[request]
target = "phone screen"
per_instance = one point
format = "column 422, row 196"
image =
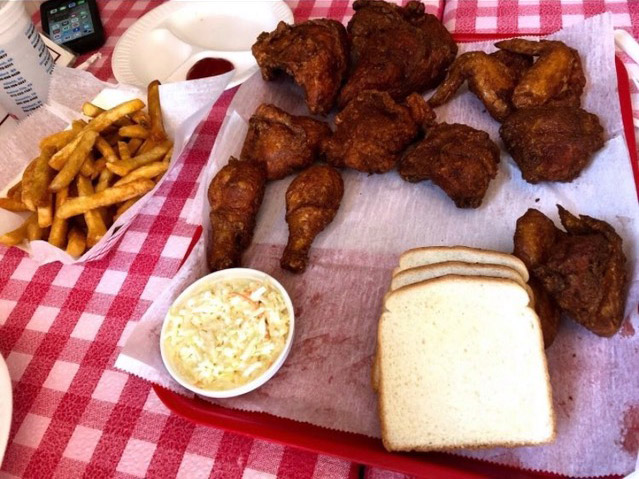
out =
column 69, row 21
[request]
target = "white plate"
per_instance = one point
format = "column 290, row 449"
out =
column 6, row 406
column 169, row 39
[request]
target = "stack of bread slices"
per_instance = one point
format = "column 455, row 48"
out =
column 460, row 357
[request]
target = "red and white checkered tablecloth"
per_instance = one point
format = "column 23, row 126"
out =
column 61, row 327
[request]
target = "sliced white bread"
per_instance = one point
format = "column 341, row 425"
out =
column 439, row 254
column 462, row 364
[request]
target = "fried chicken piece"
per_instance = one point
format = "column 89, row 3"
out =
column 312, row 200
column 488, row 78
column 235, row 196
column 457, row 158
column 314, row 53
column 583, row 269
column 373, row 130
column 535, row 235
column 517, row 63
column 552, row 143
column 556, row 79
column 283, row 142
column 395, row 49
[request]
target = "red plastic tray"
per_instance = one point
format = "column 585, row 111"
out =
column 356, row 447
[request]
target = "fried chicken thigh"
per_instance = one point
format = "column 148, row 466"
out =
column 283, row 142
column 373, row 130
column 312, row 200
column 552, row 143
column 489, row 79
column 582, row 269
column 395, row 49
column 235, row 196
column 457, row 158
column 556, row 78
column 314, row 53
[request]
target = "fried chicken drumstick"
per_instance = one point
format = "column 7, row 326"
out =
column 551, row 143
column 457, row 158
column 582, row 269
column 312, row 200
column 283, row 142
column 556, row 78
column 235, row 196
column 373, row 130
column 395, row 49
column 314, row 53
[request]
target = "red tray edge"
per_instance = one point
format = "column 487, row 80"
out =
column 356, row 447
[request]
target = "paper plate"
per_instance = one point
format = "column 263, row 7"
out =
column 169, row 39
column 6, row 407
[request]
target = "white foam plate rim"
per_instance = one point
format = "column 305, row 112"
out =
column 6, row 406
column 128, row 46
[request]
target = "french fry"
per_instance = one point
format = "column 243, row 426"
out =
column 75, row 161
column 88, row 167
column 26, row 194
column 124, row 206
column 109, row 196
column 97, row 124
column 104, row 180
column 123, row 167
column 34, row 232
column 34, row 186
column 78, row 125
column 77, row 242
column 15, row 191
column 168, row 155
column 123, row 149
column 98, row 167
column 141, row 118
column 146, row 146
column 89, row 109
column 18, row 235
column 13, row 204
column 45, row 214
column 134, row 145
column 95, row 223
column 57, row 140
column 134, row 131
column 59, row 226
column 105, row 149
column 147, row 171
column 155, row 112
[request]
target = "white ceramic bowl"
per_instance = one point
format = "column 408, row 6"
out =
column 227, row 275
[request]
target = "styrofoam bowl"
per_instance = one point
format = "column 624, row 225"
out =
column 228, row 275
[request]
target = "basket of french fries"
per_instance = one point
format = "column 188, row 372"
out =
column 69, row 195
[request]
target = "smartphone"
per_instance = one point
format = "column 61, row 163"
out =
column 75, row 24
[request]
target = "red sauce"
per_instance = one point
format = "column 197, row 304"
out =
column 209, row 67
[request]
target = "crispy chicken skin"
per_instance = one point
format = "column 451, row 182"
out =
column 488, row 78
column 373, row 130
column 283, row 142
column 547, row 312
column 583, row 269
column 395, row 49
column 552, row 143
column 312, row 200
column 517, row 63
column 457, row 158
column 555, row 79
column 235, row 196
column 314, row 53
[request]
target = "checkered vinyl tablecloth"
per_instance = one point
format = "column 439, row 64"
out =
column 61, row 327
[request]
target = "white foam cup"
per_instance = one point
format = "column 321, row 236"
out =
column 25, row 61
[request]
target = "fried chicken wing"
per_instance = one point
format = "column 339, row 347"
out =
column 312, row 200
column 235, row 196
column 517, row 63
column 552, row 143
column 283, row 142
column 314, row 53
column 488, row 78
column 457, row 158
column 583, row 269
column 555, row 79
column 395, row 49
column 373, row 130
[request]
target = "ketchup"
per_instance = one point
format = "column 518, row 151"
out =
column 209, row 67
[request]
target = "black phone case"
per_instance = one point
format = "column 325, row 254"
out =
column 83, row 44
